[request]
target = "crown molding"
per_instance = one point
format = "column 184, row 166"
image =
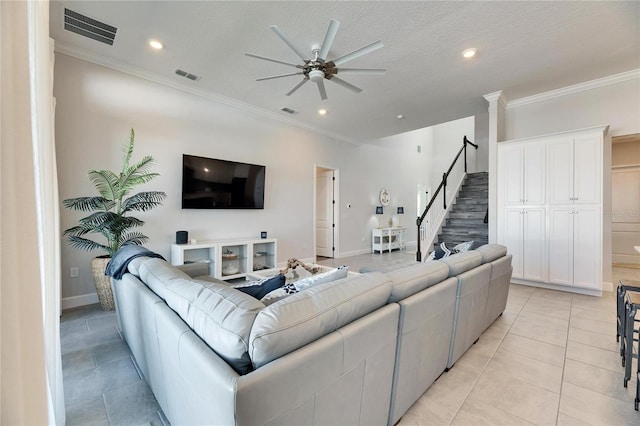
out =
column 496, row 96
column 137, row 72
column 576, row 88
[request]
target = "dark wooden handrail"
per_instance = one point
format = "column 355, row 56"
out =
column 443, row 184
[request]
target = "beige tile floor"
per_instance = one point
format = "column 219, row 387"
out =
column 551, row 359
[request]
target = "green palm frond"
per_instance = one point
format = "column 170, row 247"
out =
column 133, row 238
column 86, row 245
column 106, row 182
column 87, row 204
column 143, row 201
column 109, row 219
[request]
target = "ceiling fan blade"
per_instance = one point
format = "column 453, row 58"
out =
column 323, row 91
column 272, row 60
column 328, row 38
column 284, row 38
column 358, row 52
column 369, row 71
column 278, row 76
column 345, row 84
column 299, row 85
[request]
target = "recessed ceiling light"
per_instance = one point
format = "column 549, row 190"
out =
column 470, row 53
column 155, row 44
column 322, row 111
column 399, row 116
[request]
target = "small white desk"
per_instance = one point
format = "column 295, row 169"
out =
column 388, row 239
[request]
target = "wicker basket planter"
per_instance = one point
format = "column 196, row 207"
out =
column 102, row 282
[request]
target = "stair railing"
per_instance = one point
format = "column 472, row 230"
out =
column 443, row 187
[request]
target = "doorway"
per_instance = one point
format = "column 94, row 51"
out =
column 625, row 199
column 326, row 214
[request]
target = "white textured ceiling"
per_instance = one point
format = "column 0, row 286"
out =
column 524, row 48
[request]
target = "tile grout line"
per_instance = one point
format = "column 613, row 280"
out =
column 564, row 362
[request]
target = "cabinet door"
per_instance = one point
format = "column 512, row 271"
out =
column 587, row 175
column 512, row 238
column 561, row 245
column 534, row 242
column 534, row 173
column 586, row 247
column 512, row 173
column 560, row 165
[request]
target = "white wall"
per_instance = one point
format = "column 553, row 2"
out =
column 616, row 104
column 97, row 106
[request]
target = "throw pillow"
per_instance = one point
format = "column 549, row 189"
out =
column 305, row 283
column 260, row 289
column 442, row 251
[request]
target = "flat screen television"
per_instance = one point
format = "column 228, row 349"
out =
column 209, row 183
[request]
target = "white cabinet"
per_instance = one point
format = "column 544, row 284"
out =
column 524, row 234
column 523, row 166
column 549, row 204
column 575, row 246
column 575, row 169
column 387, row 239
column 228, row 259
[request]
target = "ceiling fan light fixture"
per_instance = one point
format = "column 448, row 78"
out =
column 316, row 75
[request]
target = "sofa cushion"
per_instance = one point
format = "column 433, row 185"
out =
column 462, row 262
column 194, row 269
column 296, row 286
column 134, row 266
column 310, row 314
column 156, row 272
column 221, row 315
column 412, row 279
column 491, row 252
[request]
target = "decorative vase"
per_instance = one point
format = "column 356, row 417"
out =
column 102, row 282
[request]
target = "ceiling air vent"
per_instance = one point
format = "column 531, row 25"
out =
column 187, row 75
column 289, row 110
column 85, row 26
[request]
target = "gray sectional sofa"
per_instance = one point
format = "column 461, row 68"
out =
column 360, row 350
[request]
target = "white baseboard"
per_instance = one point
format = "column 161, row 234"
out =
column 632, row 259
column 569, row 289
column 353, row 253
column 82, row 300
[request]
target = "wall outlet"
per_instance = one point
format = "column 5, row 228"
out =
column 74, row 272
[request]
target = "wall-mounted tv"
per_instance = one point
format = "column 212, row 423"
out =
column 209, row 183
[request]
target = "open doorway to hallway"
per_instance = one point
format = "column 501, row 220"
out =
column 625, row 201
column 326, row 212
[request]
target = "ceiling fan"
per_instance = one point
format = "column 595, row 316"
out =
column 318, row 68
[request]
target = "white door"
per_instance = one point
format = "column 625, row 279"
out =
column 534, row 241
column 324, row 213
column 586, row 247
column 512, row 239
column 587, row 169
column 560, row 163
column 561, row 245
column 534, row 173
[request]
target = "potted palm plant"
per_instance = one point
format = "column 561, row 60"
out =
column 110, row 215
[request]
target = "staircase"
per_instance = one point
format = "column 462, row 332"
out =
column 466, row 218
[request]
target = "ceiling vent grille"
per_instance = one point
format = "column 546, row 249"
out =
column 188, row 75
column 87, row 27
column 289, row 110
